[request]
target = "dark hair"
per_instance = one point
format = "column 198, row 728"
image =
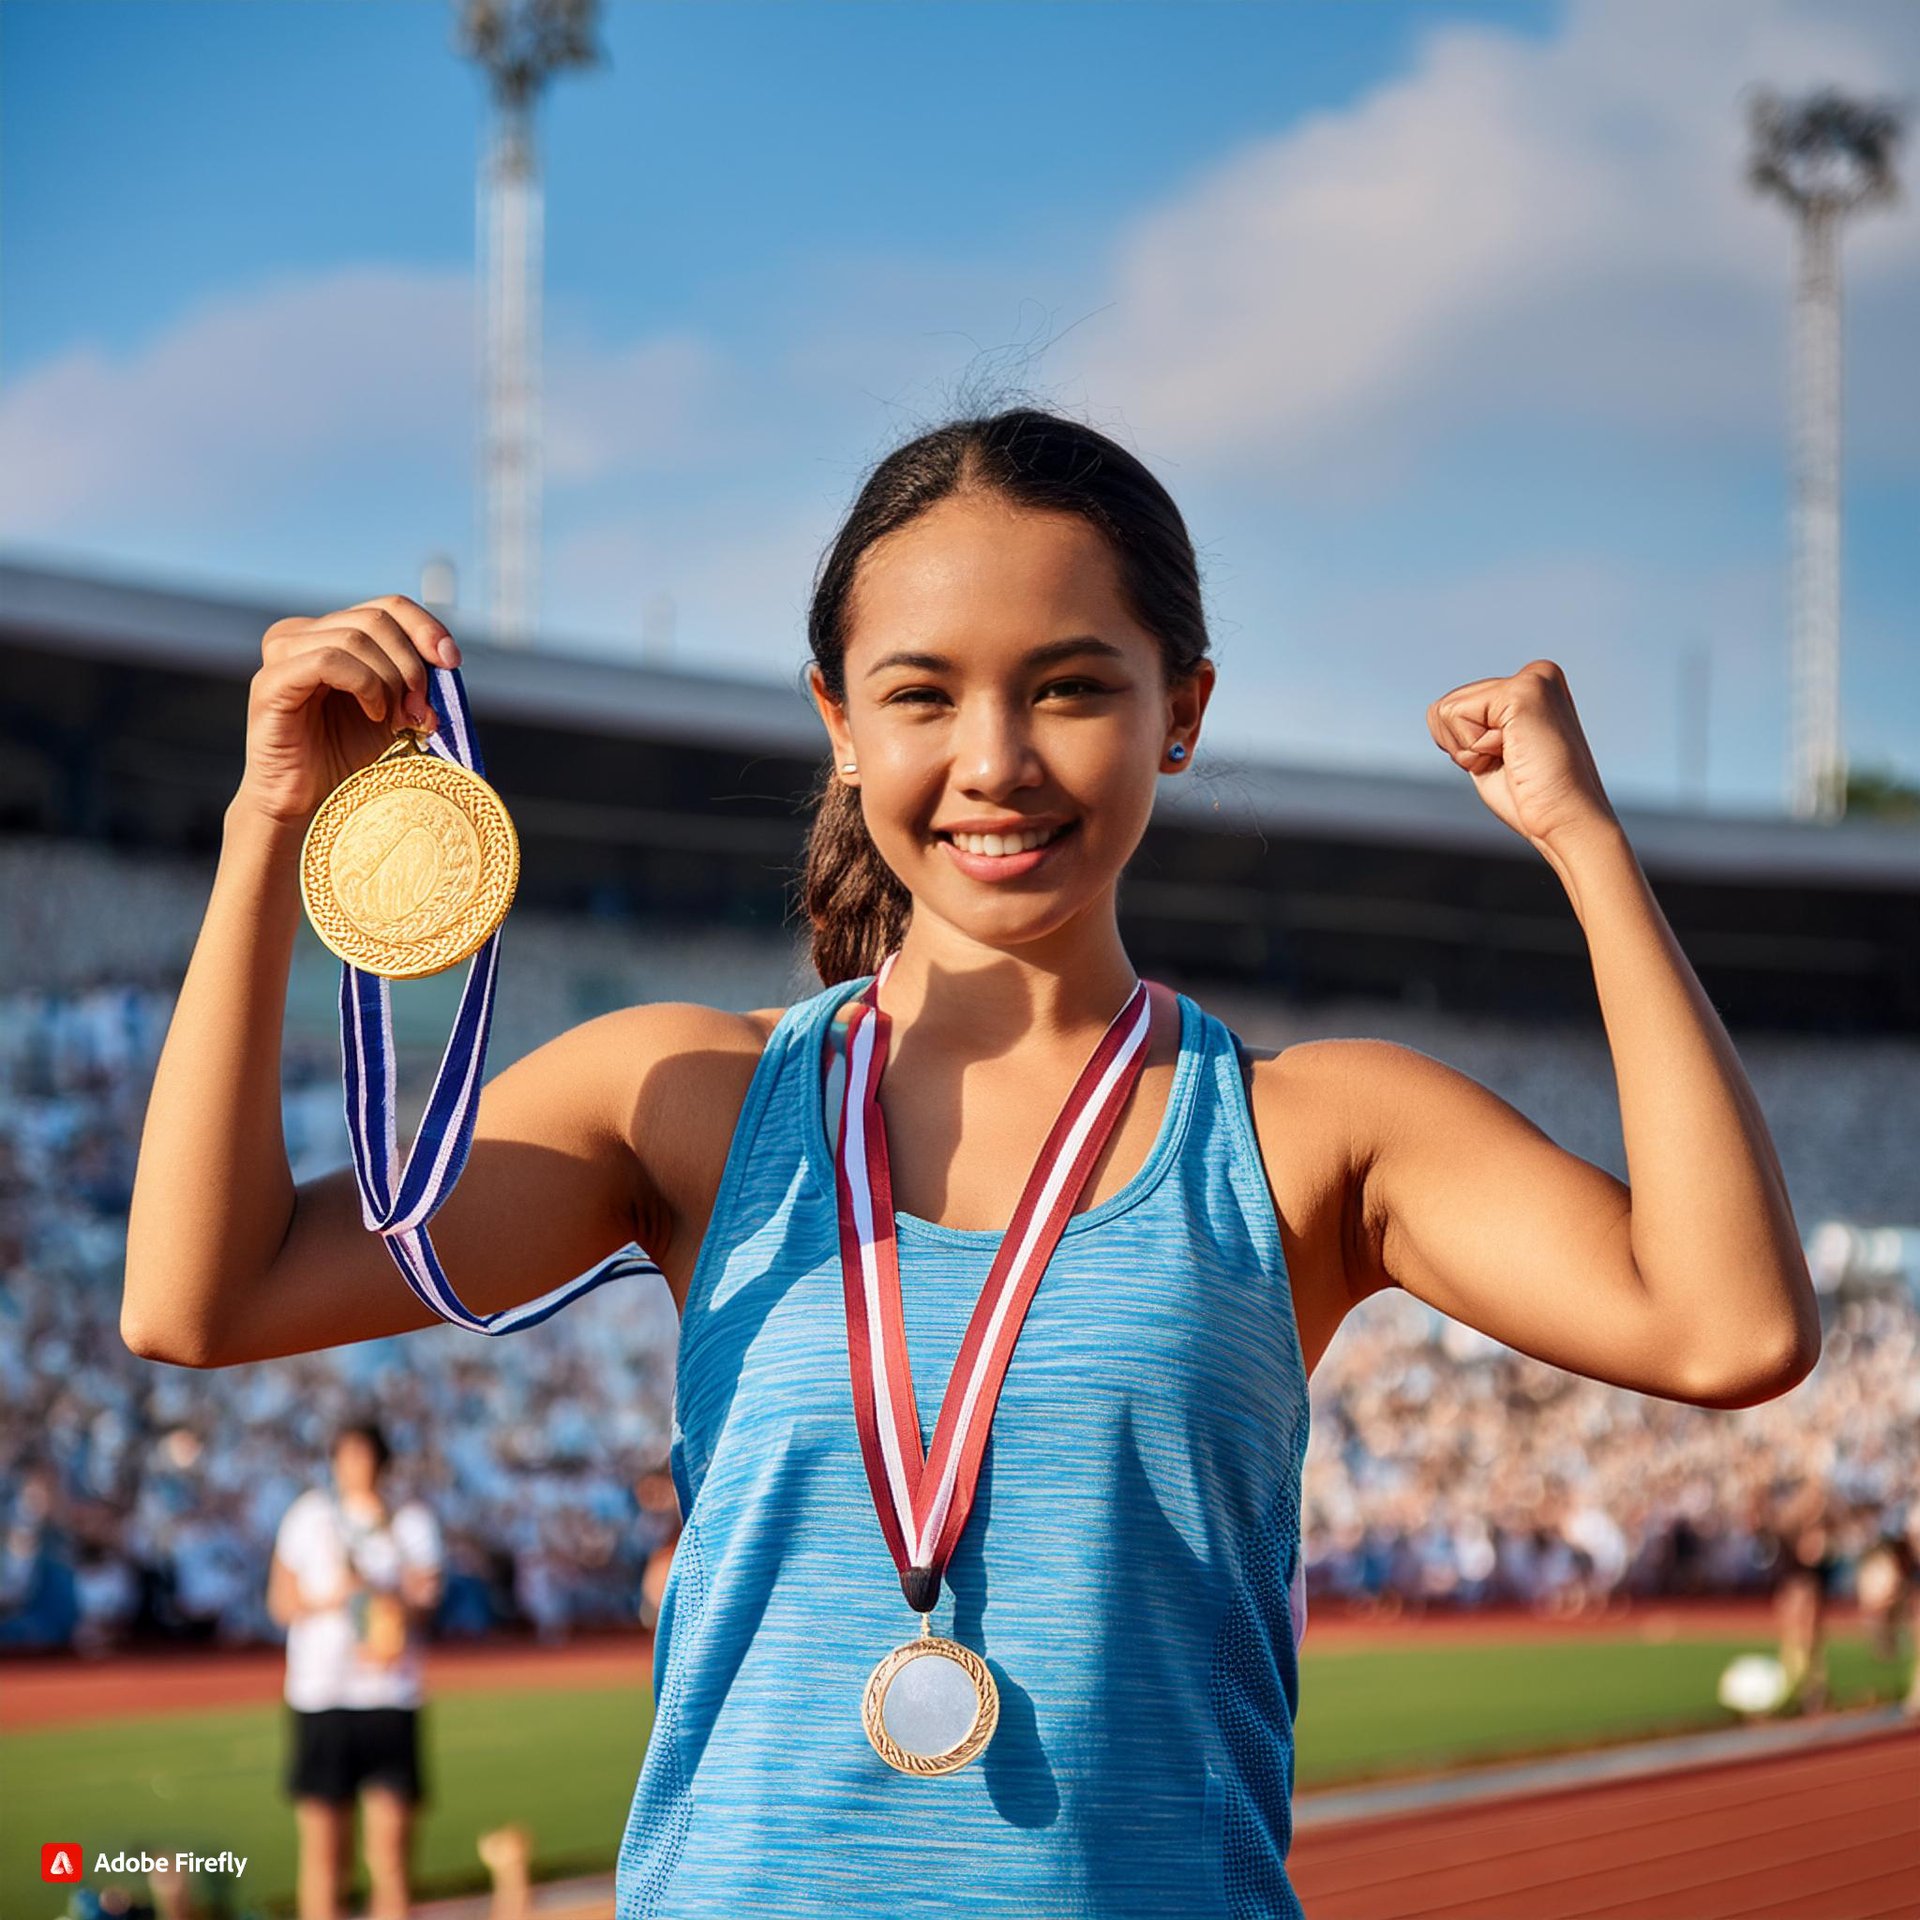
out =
column 855, row 903
column 369, row 1429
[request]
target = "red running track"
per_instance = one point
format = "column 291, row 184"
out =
column 1829, row 1834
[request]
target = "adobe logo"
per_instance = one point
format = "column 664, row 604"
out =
column 61, row 1863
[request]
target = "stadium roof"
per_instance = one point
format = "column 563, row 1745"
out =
column 96, row 614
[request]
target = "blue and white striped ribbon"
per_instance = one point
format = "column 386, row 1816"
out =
column 440, row 1149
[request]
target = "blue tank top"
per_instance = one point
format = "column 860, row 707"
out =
column 1130, row 1570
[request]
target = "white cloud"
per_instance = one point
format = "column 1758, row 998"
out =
column 241, row 401
column 1555, row 232
column 357, row 375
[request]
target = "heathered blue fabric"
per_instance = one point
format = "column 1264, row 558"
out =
column 1124, row 1572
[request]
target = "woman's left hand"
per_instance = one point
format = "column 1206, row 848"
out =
column 1521, row 741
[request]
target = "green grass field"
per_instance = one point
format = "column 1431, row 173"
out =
column 564, row 1762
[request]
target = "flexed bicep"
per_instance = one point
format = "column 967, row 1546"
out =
column 1468, row 1205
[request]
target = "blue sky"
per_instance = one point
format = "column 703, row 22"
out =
column 1451, row 328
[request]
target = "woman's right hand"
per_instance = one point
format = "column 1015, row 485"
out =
column 332, row 693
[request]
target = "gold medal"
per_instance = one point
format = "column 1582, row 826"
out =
column 931, row 1705
column 410, row 864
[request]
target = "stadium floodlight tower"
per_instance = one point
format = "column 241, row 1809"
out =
column 1824, row 155
column 520, row 43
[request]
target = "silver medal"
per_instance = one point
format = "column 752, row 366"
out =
column 931, row 1705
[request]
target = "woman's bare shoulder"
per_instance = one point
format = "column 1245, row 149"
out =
column 681, row 1060
column 691, row 1019
column 663, row 1039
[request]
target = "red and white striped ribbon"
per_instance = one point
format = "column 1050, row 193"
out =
column 923, row 1499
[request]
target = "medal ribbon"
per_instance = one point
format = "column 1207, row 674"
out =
column 923, row 1499
column 400, row 1212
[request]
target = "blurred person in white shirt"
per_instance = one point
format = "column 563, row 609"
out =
column 355, row 1583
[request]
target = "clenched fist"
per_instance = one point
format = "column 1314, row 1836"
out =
column 1521, row 741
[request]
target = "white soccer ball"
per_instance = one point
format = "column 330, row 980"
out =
column 1754, row 1683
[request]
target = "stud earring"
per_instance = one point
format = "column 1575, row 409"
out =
column 1176, row 751
column 848, row 767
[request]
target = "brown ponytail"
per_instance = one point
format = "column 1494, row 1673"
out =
column 855, row 903
column 854, row 900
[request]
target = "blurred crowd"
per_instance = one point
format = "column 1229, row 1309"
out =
column 140, row 1500
column 1446, row 1469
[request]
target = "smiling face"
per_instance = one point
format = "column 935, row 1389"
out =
column 995, row 679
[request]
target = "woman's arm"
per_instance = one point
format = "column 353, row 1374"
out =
column 213, row 1191
column 226, row 1260
column 1687, row 1282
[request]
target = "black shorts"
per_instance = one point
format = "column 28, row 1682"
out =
column 338, row 1750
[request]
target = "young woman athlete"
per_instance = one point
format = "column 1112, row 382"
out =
column 1008, row 642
